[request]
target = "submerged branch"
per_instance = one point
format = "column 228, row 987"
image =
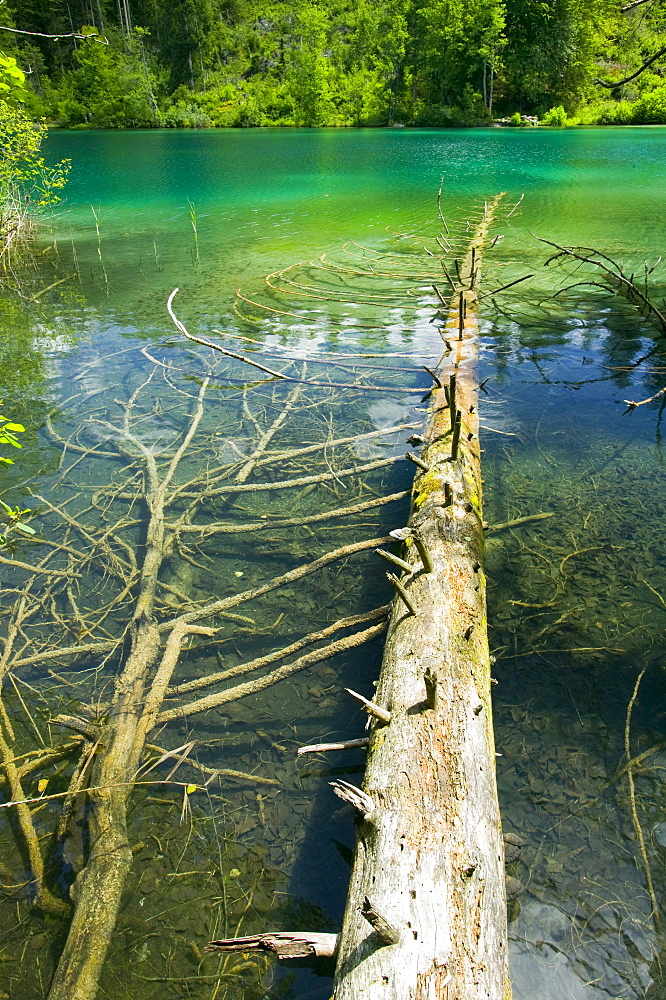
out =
column 287, row 670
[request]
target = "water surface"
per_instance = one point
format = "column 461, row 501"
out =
column 576, row 608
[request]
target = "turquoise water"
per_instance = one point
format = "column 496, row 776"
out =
column 575, row 600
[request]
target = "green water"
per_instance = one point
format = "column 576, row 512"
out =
column 575, row 600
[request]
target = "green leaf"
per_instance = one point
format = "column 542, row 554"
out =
column 13, row 427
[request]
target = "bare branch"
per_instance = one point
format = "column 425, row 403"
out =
column 630, row 6
column 287, row 670
column 71, row 34
column 619, row 83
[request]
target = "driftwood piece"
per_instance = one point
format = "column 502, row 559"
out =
column 342, row 745
column 431, row 858
column 284, row 944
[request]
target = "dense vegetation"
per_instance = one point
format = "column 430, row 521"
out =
column 150, row 63
column 27, row 184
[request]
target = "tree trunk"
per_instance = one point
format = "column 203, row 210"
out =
column 426, row 911
column 97, row 891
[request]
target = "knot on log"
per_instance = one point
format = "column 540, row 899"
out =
column 430, row 680
column 384, row 929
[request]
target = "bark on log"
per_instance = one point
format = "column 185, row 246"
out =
column 430, row 855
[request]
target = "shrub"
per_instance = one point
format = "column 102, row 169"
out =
column 27, row 184
column 556, row 117
column 109, row 88
column 184, row 115
column 650, row 109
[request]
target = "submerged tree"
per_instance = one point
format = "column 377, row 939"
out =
column 104, row 583
column 123, row 599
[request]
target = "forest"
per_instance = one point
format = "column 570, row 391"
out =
column 245, row 63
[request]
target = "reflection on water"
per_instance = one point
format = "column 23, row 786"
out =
column 576, row 599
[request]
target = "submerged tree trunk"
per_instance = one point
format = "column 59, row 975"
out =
column 426, row 911
column 97, row 891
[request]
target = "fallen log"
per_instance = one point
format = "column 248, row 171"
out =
column 429, row 852
column 426, row 909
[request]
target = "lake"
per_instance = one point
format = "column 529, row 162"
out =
column 98, row 372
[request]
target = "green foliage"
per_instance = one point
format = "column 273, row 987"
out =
column 12, row 79
column 25, row 178
column 12, row 518
column 555, row 116
column 27, row 184
column 109, row 87
column 650, row 109
column 551, row 50
column 250, row 63
column 8, row 432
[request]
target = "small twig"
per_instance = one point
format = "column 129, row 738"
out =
column 456, row 436
column 434, row 376
column 656, row 593
column 632, row 798
column 515, row 206
column 396, row 560
column 370, row 707
column 450, row 279
column 503, row 288
column 517, row 521
column 284, row 944
column 417, row 461
column 613, row 84
column 632, row 404
column 439, row 206
column 423, row 550
column 217, row 347
column 72, row 34
column 440, row 297
column 392, row 578
column 286, row 670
